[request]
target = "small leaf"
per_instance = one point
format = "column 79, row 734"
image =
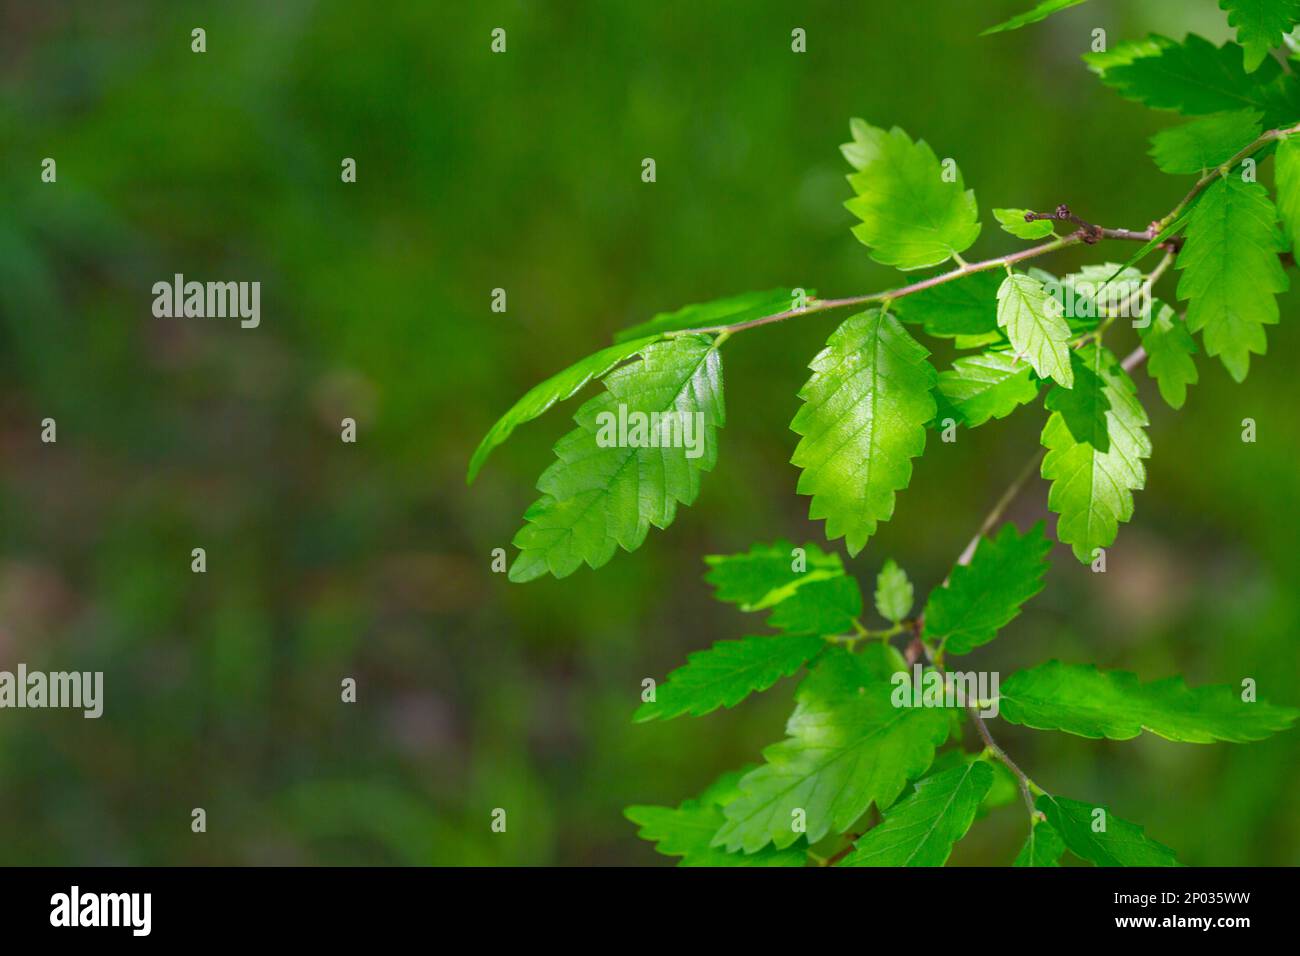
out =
column 1080, row 699
column 1205, row 143
column 1033, row 323
column 992, row 385
column 984, row 596
column 765, row 575
column 921, row 830
column 1120, row 843
column 727, row 673
column 1260, row 25
column 1043, row 848
column 819, row 607
column 1170, row 348
column 863, row 420
column 893, row 592
column 961, row 307
column 1014, row 222
column 913, row 215
column 1043, row 10
column 1084, row 407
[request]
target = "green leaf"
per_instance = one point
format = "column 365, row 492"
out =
column 1014, row 222
column 1126, row 51
column 1169, row 348
column 1195, row 78
column 1231, row 274
column 992, row 385
column 982, row 597
column 912, row 215
column 1207, row 142
column 729, row 311
column 893, row 592
column 819, row 607
column 767, row 574
column 727, row 673
column 1118, row 843
column 1260, row 25
column 555, row 389
column 921, row 830
column 1092, row 491
column 1096, row 292
column 1287, row 174
column 866, row 406
column 687, row 830
column 848, row 746
column 962, row 307
column 1042, row 11
column 1080, row 699
column 1033, row 323
column 604, row 493
column 1084, row 407
column 1043, row 848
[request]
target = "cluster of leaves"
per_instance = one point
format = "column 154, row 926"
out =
column 868, row 406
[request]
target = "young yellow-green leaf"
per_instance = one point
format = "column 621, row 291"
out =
column 985, row 595
column 964, row 307
column 1170, row 348
column 1033, row 323
column 848, row 746
column 767, row 574
column 1043, row 848
column 686, row 830
column 1287, row 174
column 893, row 592
column 1043, row 10
column 1084, row 407
column 727, row 673
column 1260, row 25
column 992, row 385
column 921, row 830
column 1195, row 78
column 1100, row 837
column 555, row 389
column 1014, row 222
column 915, row 212
column 613, row 480
column 819, row 607
column 729, row 311
column 1231, row 274
column 862, row 422
column 1205, row 143
column 1080, row 699
column 1092, row 491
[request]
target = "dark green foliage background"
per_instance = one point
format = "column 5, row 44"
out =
column 522, row 171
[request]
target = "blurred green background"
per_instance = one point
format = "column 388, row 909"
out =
column 522, row 171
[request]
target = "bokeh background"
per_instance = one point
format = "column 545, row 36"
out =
column 522, row 171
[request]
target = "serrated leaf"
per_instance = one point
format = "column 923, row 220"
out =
column 1014, row 222
column 1084, row 407
column 1260, row 25
column 766, row 574
column 1098, row 291
column 1170, row 347
column 1092, row 491
column 961, row 307
column 912, row 215
column 557, row 388
column 992, row 385
column 863, row 420
column 729, row 311
column 1033, row 323
column 893, row 592
column 687, row 830
column 1080, row 699
column 1195, row 78
column 1231, row 274
column 1121, row 843
column 985, row 595
column 819, row 607
column 921, row 830
column 727, row 673
column 604, row 493
column 1043, row 10
column 848, row 747
column 1043, row 848
column 1207, row 142
column 1287, row 174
